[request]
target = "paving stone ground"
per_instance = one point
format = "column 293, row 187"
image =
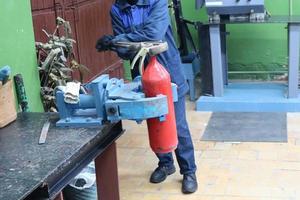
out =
column 226, row 171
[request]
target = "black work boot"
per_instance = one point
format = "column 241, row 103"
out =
column 160, row 174
column 189, row 183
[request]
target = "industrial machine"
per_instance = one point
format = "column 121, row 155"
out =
column 217, row 10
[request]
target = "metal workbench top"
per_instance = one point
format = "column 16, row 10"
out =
column 25, row 166
column 274, row 19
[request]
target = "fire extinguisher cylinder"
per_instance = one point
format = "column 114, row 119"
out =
column 162, row 134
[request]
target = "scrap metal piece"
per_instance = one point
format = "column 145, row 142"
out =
column 56, row 61
column 44, row 132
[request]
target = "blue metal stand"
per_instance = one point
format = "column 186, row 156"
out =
column 190, row 70
column 239, row 97
column 294, row 42
column 251, row 97
column 216, row 58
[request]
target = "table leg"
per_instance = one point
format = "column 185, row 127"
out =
column 216, row 59
column 224, row 53
column 205, row 53
column 107, row 174
column 294, row 42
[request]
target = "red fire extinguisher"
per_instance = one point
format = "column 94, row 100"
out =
column 162, row 135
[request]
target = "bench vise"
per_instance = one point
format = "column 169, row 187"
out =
column 111, row 100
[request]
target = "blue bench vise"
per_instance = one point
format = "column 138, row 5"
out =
column 111, row 100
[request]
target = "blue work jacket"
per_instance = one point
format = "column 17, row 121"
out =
column 149, row 20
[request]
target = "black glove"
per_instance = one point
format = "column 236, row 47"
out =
column 125, row 53
column 132, row 2
column 104, row 43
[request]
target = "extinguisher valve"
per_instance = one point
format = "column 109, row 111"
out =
column 143, row 49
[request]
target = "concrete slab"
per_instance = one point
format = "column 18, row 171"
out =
column 251, row 97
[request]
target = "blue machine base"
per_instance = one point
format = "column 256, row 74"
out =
column 251, row 97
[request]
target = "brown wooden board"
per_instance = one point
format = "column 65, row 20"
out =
column 7, row 104
column 89, row 19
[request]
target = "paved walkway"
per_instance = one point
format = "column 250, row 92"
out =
column 226, row 171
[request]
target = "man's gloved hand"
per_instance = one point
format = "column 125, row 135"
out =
column 125, row 53
column 132, row 2
column 104, row 43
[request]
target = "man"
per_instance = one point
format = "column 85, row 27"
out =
column 148, row 20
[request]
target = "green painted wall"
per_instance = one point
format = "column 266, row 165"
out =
column 254, row 47
column 17, row 46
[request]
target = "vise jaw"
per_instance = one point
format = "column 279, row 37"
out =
column 111, row 100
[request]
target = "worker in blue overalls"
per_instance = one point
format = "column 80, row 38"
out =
column 148, row 20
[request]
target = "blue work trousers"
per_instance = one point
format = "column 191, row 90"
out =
column 185, row 149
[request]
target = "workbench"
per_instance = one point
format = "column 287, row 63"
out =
column 263, row 97
column 31, row 171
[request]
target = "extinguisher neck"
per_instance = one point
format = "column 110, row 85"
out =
column 153, row 59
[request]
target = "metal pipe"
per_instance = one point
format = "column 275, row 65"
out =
column 86, row 102
column 257, row 72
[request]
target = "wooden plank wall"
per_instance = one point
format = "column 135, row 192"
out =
column 89, row 19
